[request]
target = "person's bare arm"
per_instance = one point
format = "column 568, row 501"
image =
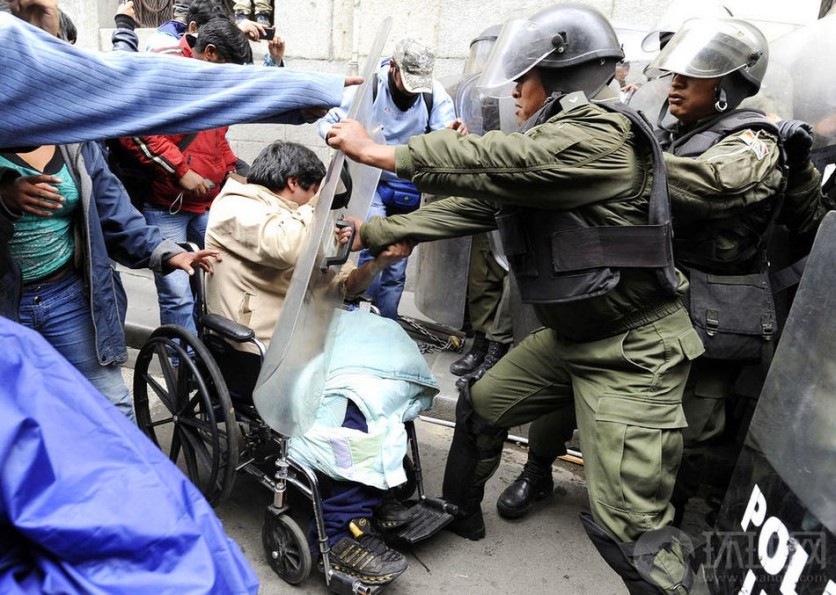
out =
column 361, row 277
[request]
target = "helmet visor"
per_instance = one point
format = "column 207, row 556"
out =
column 521, row 45
column 703, row 49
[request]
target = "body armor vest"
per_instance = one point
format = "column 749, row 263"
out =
column 694, row 245
column 557, row 257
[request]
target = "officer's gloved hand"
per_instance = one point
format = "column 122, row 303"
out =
column 798, row 141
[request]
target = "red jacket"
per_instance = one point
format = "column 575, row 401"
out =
column 209, row 155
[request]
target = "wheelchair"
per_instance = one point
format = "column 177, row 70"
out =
column 191, row 401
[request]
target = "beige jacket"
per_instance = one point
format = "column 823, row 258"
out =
column 260, row 236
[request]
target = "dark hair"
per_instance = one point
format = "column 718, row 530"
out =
column 282, row 160
column 66, row 27
column 203, row 11
column 229, row 41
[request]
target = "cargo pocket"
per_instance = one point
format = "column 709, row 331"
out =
column 691, row 344
column 639, row 446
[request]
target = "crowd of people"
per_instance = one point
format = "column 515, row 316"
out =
column 615, row 230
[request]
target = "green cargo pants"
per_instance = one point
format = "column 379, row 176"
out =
column 488, row 298
column 625, row 392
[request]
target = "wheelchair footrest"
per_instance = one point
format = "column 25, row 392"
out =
column 429, row 517
column 345, row 584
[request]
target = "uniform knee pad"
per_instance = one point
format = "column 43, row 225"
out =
column 645, row 566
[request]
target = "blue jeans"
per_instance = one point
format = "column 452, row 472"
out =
column 60, row 312
column 387, row 287
column 173, row 291
column 347, row 500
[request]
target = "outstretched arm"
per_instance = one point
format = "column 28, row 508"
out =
column 351, row 138
column 106, row 95
column 361, row 277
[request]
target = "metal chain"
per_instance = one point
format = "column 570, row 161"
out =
column 429, row 342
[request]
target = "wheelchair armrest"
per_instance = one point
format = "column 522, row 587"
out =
column 228, row 329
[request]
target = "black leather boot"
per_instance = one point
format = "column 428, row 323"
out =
column 495, row 353
column 471, row 360
column 533, row 484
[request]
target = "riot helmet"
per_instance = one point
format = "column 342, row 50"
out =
column 730, row 49
column 480, row 49
column 573, row 45
column 676, row 14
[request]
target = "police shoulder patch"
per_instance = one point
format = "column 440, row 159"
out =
column 755, row 144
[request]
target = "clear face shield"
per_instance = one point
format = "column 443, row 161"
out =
column 676, row 14
column 521, row 45
column 706, row 49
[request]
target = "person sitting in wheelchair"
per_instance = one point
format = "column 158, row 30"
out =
column 358, row 437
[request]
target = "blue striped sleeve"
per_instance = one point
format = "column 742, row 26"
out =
column 54, row 93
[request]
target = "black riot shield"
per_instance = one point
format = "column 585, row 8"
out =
column 776, row 531
column 289, row 387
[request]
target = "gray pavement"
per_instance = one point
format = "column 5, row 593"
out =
column 547, row 552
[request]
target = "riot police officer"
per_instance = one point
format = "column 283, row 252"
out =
column 734, row 176
column 729, row 188
column 617, row 342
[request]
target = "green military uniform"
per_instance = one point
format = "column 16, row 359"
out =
column 487, row 293
column 721, row 203
column 617, row 361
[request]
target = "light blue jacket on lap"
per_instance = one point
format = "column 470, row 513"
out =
column 378, row 367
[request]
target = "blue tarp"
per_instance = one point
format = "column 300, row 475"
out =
column 87, row 503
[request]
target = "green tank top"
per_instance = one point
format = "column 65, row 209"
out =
column 42, row 245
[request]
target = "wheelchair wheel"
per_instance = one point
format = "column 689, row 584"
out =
column 406, row 489
column 286, row 547
column 183, row 406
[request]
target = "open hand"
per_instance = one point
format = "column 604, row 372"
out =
column 33, row 194
column 202, row 258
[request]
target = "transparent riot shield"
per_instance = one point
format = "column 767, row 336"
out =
column 777, row 526
column 651, row 99
column 289, row 387
column 800, row 84
column 442, row 266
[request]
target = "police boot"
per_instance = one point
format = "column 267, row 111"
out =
column 471, row 360
column 469, row 465
column 534, row 483
column 495, row 353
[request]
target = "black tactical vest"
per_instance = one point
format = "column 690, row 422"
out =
column 694, row 245
column 557, row 257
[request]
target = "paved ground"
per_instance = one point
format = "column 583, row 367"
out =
column 545, row 553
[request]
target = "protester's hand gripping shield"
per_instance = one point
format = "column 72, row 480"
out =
column 289, row 387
